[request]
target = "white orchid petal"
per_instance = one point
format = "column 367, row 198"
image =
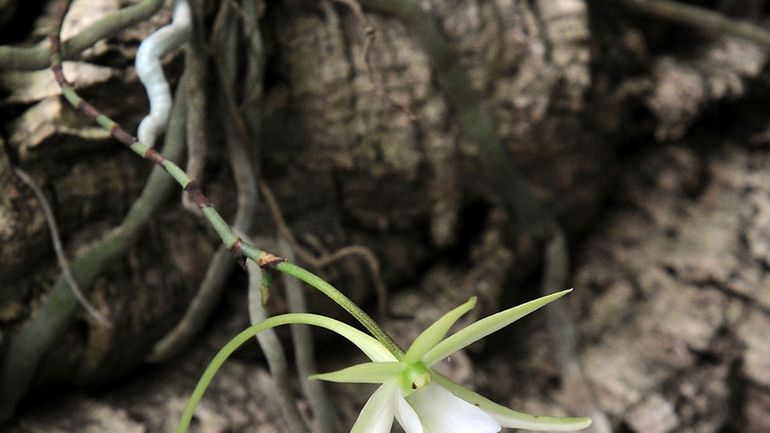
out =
column 510, row 418
column 435, row 332
column 478, row 330
column 406, row 416
column 442, row 412
column 377, row 414
column 370, row 372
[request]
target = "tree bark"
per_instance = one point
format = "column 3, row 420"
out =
column 625, row 128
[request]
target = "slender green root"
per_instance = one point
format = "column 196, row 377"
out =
column 34, row 58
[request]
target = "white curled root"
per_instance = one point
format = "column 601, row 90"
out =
column 150, row 71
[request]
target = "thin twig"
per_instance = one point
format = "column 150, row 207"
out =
column 251, row 12
column 703, row 19
column 302, row 340
column 61, row 257
column 283, row 228
column 304, row 350
column 189, row 185
column 18, row 58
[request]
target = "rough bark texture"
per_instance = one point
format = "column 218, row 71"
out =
column 681, row 273
column 90, row 182
column 152, row 401
column 672, row 302
column 388, row 174
column 672, row 295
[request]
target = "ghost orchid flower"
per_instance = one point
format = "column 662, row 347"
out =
column 423, row 400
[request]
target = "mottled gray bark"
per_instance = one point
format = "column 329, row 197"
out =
column 675, row 295
column 388, row 173
column 671, row 300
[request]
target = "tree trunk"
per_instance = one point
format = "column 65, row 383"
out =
column 624, row 127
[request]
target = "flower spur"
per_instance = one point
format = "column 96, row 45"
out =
column 423, row 400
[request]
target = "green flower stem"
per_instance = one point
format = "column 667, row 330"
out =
column 239, row 340
column 332, row 292
column 239, row 248
column 343, row 301
column 33, row 58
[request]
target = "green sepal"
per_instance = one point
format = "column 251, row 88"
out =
column 435, row 332
column 370, row 372
column 478, row 330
